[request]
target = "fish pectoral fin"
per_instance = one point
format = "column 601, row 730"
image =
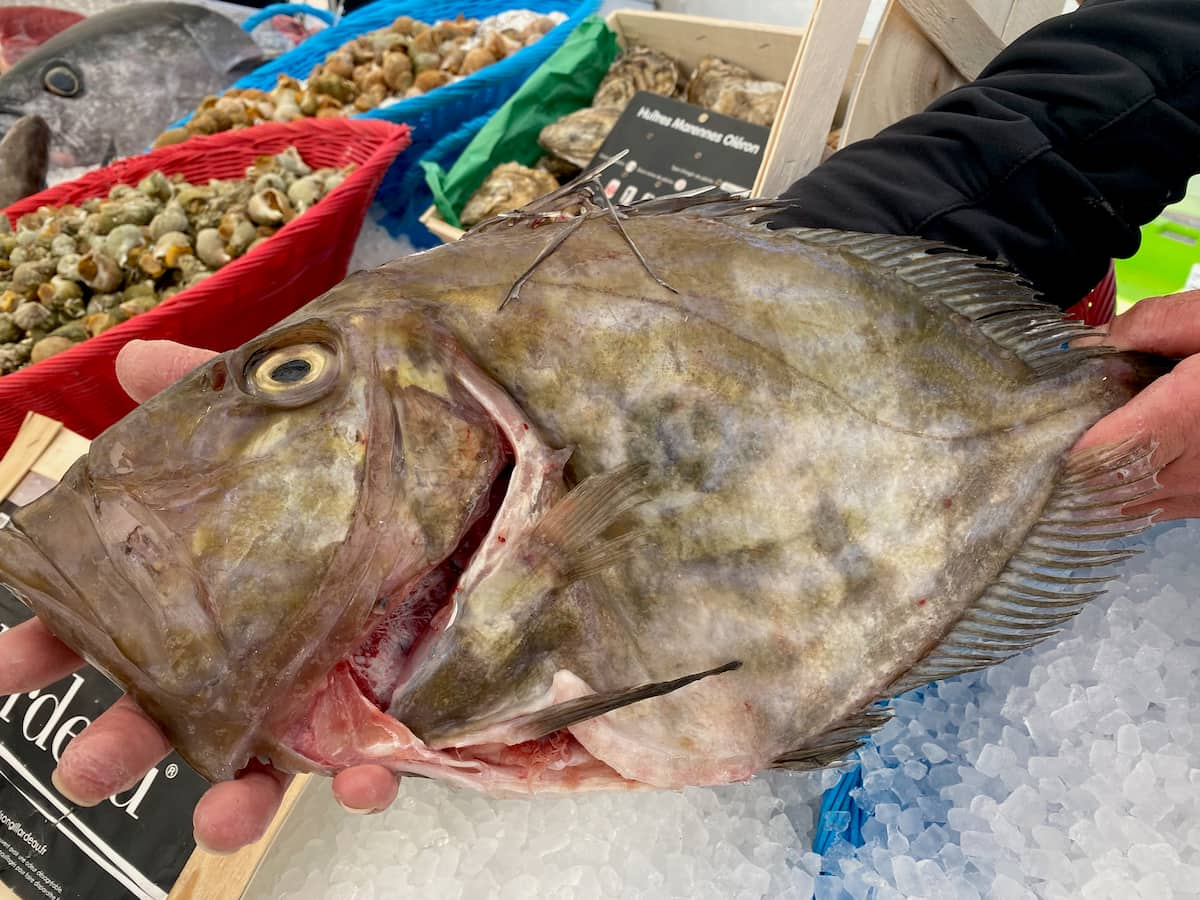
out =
column 573, row 526
column 834, row 745
column 538, row 724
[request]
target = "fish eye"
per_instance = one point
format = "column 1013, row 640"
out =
column 291, row 375
column 62, row 80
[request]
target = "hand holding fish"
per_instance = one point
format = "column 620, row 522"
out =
column 1169, row 409
column 113, row 753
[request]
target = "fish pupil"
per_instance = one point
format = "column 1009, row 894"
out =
column 62, row 81
column 291, row 371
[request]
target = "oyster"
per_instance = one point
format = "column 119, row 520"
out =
column 578, row 136
column 727, row 88
column 508, row 187
column 638, row 69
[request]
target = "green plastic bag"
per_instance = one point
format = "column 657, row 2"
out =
column 562, row 84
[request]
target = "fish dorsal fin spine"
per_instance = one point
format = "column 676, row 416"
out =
column 1001, row 304
column 1033, row 597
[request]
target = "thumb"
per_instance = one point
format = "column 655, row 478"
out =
column 1169, row 326
column 146, row 367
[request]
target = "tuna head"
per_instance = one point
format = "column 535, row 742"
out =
column 292, row 488
column 89, row 82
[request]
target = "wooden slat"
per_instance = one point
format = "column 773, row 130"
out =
column 1027, row 13
column 903, row 73
column 994, row 12
column 31, row 441
column 811, row 98
column 766, row 50
column 958, row 31
column 66, row 447
column 209, row 877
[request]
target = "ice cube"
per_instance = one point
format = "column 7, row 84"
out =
column 1139, row 782
column 994, row 759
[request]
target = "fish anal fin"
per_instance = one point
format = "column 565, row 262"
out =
column 531, row 726
column 834, row 745
column 1031, row 597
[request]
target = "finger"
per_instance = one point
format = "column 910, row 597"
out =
column 1178, row 496
column 365, row 789
column 234, row 814
column 1166, row 412
column 110, row 755
column 1169, row 326
column 146, row 367
column 31, row 657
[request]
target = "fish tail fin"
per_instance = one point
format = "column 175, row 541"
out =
column 1065, row 562
column 1134, row 370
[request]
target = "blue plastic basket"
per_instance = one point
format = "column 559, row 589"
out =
column 414, row 196
column 444, row 110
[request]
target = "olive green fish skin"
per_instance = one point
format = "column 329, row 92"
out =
column 837, row 468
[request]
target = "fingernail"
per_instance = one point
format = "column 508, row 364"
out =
column 200, row 845
column 361, row 812
column 58, row 786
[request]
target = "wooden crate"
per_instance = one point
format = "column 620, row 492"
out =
column 769, row 51
column 921, row 49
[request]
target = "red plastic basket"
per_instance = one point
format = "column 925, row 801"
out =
column 309, row 255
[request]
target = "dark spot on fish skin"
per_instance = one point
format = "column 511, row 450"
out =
column 501, row 538
column 866, row 579
column 947, row 502
column 922, row 601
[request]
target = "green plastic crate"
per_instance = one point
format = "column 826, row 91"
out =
column 1169, row 258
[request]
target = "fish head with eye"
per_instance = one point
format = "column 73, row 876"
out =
column 292, row 487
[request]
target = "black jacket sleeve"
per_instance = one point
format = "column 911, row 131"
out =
column 1078, row 133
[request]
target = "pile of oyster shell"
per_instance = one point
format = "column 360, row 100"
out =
column 405, row 59
column 69, row 273
column 573, row 141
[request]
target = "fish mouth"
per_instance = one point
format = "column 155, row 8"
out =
column 381, row 661
column 347, row 723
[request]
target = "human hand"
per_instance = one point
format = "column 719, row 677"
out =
column 1168, row 410
column 123, row 743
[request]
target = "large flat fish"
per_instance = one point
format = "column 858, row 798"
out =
column 641, row 497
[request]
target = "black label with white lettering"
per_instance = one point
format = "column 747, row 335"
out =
column 134, row 844
column 675, row 146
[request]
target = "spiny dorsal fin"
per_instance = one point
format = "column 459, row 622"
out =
column 535, row 725
column 1032, row 597
column 834, row 745
column 1002, row 305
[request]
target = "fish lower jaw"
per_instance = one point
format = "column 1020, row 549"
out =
column 344, row 728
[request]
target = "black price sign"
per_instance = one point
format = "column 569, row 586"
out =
column 675, row 146
column 134, row 844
